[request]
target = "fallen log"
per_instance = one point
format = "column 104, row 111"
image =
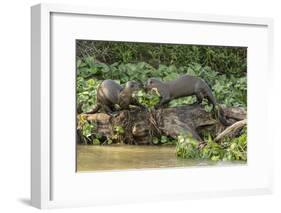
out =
column 237, row 113
column 140, row 126
column 231, row 129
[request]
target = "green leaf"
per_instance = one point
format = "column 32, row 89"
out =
column 96, row 142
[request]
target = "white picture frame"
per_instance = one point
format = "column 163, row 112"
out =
column 47, row 178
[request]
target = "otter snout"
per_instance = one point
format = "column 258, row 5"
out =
column 152, row 83
column 148, row 86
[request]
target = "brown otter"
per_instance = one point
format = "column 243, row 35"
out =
column 125, row 98
column 186, row 85
column 110, row 93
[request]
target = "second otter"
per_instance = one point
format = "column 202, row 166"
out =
column 184, row 86
column 110, row 93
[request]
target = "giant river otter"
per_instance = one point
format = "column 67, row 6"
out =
column 184, row 86
column 110, row 93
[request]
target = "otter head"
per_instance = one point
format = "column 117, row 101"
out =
column 152, row 83
column 133, row 86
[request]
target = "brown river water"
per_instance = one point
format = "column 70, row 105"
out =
column 120, row 157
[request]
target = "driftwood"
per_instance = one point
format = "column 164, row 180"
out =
column 141, row 126
column 231, row 129
column 236, row 113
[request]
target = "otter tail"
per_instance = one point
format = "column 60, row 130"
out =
column 216, row 107
column 221, row 116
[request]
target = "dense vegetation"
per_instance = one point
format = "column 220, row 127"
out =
column 230, row 60
column 223, row 68
column 229, row 149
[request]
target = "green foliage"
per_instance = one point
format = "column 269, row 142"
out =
column 163, row 140
column 148, row 99
column 229, row 90
column 87, row 129
column 237, row 148
column 229, row 149
column 187, row 147
column 118, row 132
column 225, row 60
column 90, row 135
column 86, row 93
column 212, row 150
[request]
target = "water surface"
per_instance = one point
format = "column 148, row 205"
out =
column 118, row 157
